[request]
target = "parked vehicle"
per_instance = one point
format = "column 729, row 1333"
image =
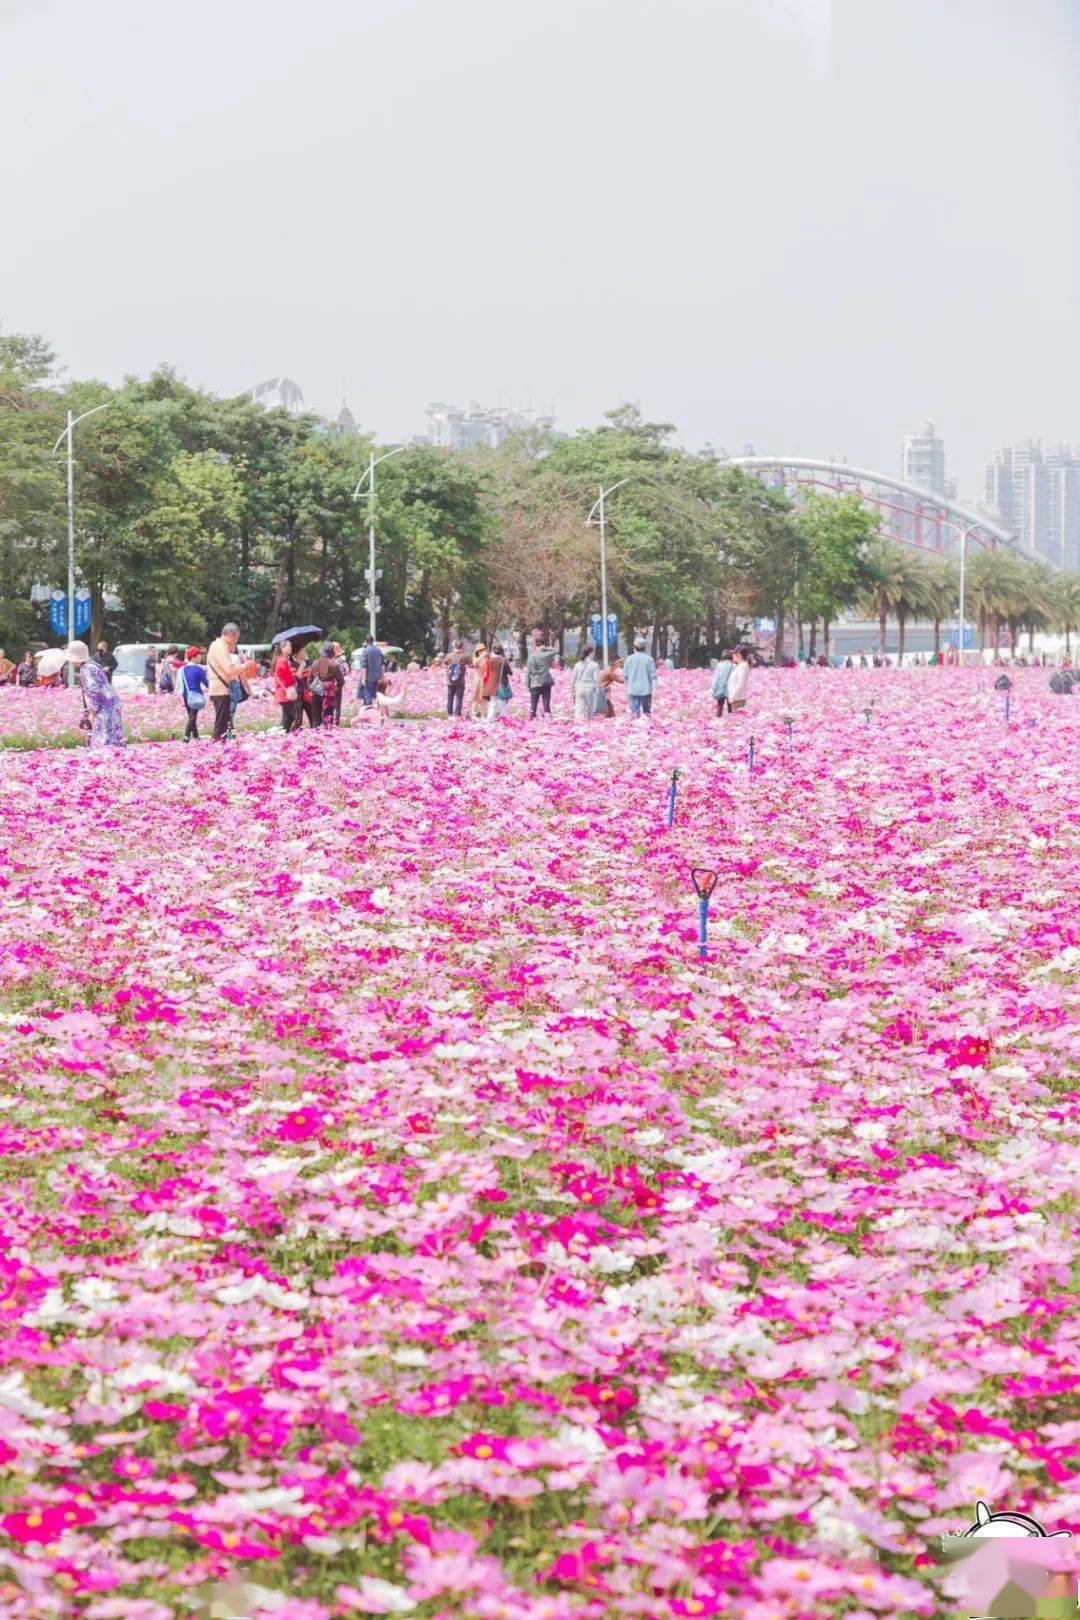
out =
column 131, row 659
column 389, row 652
column 260, row 651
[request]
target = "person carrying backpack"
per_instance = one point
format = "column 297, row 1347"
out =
column 192, row 683
column 455, row 680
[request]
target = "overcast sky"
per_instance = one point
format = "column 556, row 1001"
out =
column 799, row 224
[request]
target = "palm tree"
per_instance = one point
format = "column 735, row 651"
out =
column 895, row 583
column 1067, row 606
column 1037, row 603
column 996, row 589
column 943, row 583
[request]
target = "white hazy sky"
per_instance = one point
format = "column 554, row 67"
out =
column 798, row 223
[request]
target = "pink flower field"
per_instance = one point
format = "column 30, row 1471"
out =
column 398, row 1218
column 46, row 717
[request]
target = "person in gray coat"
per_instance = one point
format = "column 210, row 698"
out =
column 538, row 676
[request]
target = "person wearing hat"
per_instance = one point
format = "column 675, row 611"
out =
column 639, row 673
column 191, row 683
column 101, row 704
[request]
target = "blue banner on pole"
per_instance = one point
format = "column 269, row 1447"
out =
column 969, row 637
column 596, row 631
column 58, row 613
column 84, row 610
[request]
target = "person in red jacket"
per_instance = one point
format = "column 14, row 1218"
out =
column 285, row 685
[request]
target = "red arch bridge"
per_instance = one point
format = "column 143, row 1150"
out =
column 913, row 516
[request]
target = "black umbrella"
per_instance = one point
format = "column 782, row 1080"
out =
column 298, row 635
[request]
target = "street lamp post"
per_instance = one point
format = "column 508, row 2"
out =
column 373, row 600
column 68, row 434
column 963, row 564
column 599, row 513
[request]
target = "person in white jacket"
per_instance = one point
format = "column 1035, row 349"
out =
column 385, row 704
column 739, row 679
column 586, row 671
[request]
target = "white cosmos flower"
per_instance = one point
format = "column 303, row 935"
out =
column 94, row 1290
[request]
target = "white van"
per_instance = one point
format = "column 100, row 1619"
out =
column 131, row 659
column 391, row 654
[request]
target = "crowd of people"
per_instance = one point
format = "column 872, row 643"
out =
column 310, row 684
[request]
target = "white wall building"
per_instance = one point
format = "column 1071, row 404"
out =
column 449, row 427
column 279, row 394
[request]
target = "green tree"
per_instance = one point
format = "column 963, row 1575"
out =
column 655, row 522
column 995, row 592
column 895, row 585
column 31, row 484
column 121, row 456
column 762, row 546
column 193, row 517
column 942, row 593
column 432, row 534
column 1067, row 607
column 835, row 531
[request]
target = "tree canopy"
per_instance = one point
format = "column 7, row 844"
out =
column 191, row 509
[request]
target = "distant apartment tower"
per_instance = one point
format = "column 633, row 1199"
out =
column 449, row 427
column 922, row 460
column 279, row 394
column 1036, row 493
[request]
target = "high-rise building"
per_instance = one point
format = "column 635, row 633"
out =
column 279, row 394
column 922, row 460
column 1063, row 506
column 1036, row 493
column 452, row 428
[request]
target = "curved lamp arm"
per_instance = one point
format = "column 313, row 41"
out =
column 76, row 420
column 384, row 457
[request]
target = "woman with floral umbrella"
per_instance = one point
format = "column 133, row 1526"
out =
column 100, row 701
